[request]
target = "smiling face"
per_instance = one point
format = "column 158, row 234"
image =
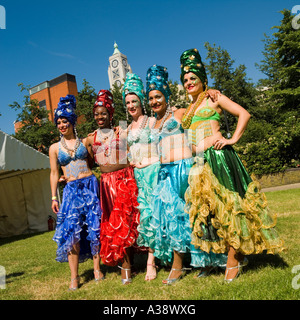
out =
column 64, row 126
column 133, row 105
column 157, row 101
column 192, row 84
column 101, row 116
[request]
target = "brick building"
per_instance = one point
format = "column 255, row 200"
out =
column 49, row 92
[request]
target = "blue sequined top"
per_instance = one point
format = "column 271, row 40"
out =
column 64, row 158
column 171, row 127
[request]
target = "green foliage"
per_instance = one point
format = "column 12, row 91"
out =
column 177, row 98
column 84, row 109
column 36, row 130
column 120, row 111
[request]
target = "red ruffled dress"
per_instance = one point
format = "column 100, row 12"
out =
column 118, row 197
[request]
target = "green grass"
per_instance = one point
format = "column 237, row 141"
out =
column 33, row 274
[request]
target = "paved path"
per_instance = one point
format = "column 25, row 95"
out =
column 284, row 187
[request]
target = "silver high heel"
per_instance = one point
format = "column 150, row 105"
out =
column 239, row 266
column 126, row 280
column 72, row 280
column 170, row 281
column 97, row 279
column 205, row 272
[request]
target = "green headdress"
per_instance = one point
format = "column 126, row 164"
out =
column 191, row 62
column 133, row 84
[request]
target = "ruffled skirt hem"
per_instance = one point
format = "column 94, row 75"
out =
column 119, row 227
column 78, row 220
column 222, row 215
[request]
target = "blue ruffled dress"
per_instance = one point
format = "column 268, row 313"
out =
column 78, row 220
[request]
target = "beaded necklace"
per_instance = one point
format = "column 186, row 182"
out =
column 136, row 137
column 190, row 111
column 109, row 138
column 168, row 111
column 70, row 151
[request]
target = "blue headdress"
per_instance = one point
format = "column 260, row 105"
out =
column 157, row 79
column 133, row 84
column 66, row 109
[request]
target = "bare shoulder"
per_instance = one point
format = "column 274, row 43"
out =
column 53, row 148
column 179, row 113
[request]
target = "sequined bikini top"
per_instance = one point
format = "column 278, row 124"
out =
column 64, row 158
column 144, row 137
column 115, row 152
column 75, row 165
column 170, row 128
column 200, row 127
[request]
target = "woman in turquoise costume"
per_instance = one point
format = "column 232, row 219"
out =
column 228, row 212
column 171, row 223
column 78, row 218
column 143, row 155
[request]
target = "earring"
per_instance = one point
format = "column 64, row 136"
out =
column 144, row 108
column 75, row 131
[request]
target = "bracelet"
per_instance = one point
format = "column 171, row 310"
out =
column 54, row 198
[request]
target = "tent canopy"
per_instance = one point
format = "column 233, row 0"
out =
column 15, row 155
column 25, row 194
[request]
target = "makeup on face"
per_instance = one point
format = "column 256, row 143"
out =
column 133, row 103
column 101, row 115
column 192, row 83
column 63, row 124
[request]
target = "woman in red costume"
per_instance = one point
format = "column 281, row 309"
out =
column 118, row 189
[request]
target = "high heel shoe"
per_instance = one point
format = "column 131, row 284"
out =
column 126, row 280
column 170, row 281
column 205, row 272
column 98, row 278
column 239, row 267
column 71, row 288
column 151, row 276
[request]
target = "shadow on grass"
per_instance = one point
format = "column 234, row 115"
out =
column 19, row 237
column 11, row 277
column 259, row 261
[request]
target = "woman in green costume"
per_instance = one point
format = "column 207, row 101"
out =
column 228, row 212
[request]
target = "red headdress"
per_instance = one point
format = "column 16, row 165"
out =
column 105, row 99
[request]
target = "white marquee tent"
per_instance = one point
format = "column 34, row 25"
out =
column 25, row 195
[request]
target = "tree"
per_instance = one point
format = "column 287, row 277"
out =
column 36, row 130
column 231, row 81
column 282, row 65
column 84, row 109
column 178, row 97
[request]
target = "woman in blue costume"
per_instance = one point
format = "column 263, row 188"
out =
column 78, row 218
column 143, row 156
column 171, row 223
column 228, row 213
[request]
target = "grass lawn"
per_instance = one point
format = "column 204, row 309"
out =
column 33, row 274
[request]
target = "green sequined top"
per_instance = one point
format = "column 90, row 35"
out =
column 200, row 127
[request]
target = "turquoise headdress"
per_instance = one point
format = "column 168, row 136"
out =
column 133, row 84
column 157, row 79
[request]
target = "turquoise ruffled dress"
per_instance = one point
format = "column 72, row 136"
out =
column 170, row 221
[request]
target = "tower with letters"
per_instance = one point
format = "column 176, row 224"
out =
column 118, row 67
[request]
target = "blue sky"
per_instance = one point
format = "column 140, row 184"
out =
column 44, row 39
